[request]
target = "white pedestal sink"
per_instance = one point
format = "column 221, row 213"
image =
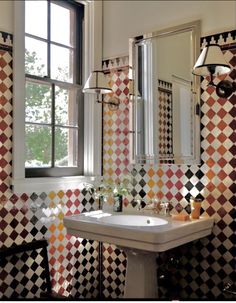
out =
column 140, row 237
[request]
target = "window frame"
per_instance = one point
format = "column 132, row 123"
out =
column 92, row 110
column 55, row 171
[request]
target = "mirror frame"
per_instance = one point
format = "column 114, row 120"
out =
column 195, row 28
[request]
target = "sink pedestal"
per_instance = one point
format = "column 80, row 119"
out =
column 141, row 274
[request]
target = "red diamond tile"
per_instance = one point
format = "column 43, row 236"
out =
column 221, row 113
column 210, row 138
column 221, row 125
column 3, row 175
column 210, row 114
column 210, row 126
column 24, row 197
column 3, row 187
column 3, row 138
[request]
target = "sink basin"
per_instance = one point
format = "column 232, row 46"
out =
column 133, row 220
column 137, row 231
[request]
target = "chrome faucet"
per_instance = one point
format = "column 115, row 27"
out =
column 162, row 208
column 151, row 205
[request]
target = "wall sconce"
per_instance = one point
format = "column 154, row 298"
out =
column 212, row 62
column 97, row 84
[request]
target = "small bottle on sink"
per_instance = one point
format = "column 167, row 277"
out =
column 117, row 206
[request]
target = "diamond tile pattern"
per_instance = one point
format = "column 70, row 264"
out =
column 165, row 118
column 204, row 265
column 24, row 275
column 73, row 261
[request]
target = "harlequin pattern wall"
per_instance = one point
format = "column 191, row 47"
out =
column 203, row 265
column 199, row 269
column 73, row 262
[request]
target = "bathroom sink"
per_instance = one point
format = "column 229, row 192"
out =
column 133, row 220
column 140, row 236
column 150, row 233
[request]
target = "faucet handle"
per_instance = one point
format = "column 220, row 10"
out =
column 166, row 207
column 157, row 205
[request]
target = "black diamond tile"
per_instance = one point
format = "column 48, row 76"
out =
column 134, row 172
column 199, row 186
column 43, row 230
column 133, row 192
column 84, row 191
column 142, row 183
column 43, row 196
column 210, row 259
column 189, row 185
column 189, row 174
column 142, row 193
column 210, row 247
column 199, row 174
column 142, row 172
column 25, row 268
column 14, row 271
column 34, row 220
column 34, row 266
column 222, row 274
column 222, row 261
column 34, row 231
column 34, row 197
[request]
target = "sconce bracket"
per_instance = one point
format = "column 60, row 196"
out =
column 113, row 103
column 225, row 88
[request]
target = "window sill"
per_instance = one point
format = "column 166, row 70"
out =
column 39, row 185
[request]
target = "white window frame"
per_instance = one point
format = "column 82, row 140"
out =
column 92, row 110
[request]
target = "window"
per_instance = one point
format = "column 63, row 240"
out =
column 53, row 89
column 91, row 124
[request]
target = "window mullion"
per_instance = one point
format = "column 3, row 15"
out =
column 49, row 39
column 53, row 125
column 53, row 85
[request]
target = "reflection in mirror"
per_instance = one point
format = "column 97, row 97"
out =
column 165, row 96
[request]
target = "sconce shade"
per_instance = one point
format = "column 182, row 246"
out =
column 211, row 62
column 97, row 83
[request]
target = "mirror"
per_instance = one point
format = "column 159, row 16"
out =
column 165, row 96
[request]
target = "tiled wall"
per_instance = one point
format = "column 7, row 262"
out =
column 202, row 267
column 73, row 262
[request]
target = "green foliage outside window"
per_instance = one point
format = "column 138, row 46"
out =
column 39, row 110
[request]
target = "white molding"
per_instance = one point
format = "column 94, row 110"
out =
column 92, row 110
column 39, row 185
column 19, row 91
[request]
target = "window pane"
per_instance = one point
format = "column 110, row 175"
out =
column 66, row 107
column 36, row 18
column 38, row 103
column 62, row 20
column 38, row 146
column 61, row 64
column 35, row 57
column 66, row 147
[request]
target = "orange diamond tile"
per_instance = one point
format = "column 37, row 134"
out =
column 52, row 195
column 60, row 194
column 151, row 172
column 222, row 150
column 52, row 228
column 210, row 174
